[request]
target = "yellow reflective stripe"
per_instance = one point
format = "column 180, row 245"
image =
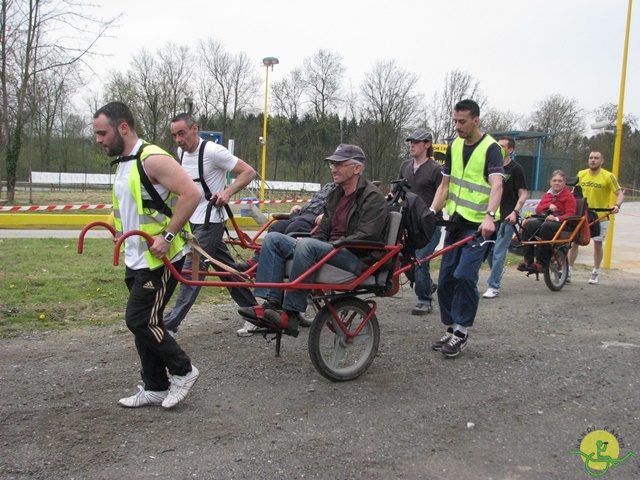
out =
column 471, row 186
column 478, row 207
column 151, row 219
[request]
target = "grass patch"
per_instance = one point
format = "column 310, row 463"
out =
column 47, row 286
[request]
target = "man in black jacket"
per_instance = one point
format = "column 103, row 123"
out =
column 355, row 210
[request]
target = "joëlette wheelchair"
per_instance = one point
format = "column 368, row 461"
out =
column 573, row 229
column 344, row 336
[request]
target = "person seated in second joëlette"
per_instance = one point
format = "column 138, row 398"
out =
column 555, row 206
column 355, row 210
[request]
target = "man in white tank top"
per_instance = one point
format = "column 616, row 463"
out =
column 166, row 370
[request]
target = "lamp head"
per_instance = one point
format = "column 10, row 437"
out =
column 270, row 61
column 600, row 125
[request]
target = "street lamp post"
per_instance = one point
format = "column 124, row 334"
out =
column 266, row 62
column 618, row 143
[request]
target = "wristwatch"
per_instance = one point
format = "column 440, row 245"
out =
column 168, row 236
column 491, row 214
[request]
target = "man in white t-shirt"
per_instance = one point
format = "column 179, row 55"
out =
column 217, row 161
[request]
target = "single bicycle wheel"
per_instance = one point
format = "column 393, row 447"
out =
column 556, row 272
column 331, row 353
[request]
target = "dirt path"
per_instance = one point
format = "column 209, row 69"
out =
column 540, row 368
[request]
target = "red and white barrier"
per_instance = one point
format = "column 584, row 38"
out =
column 108, row 206
column 50, row 208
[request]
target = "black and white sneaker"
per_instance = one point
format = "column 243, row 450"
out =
column 455, row 345
column 438, row 344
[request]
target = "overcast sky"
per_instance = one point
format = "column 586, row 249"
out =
column 521, row 51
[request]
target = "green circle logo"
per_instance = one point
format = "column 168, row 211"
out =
column 600, row 450
column 599, row 445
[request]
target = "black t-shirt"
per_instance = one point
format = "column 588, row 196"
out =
column 514, row 180
column 493, row 164
column 424, row 181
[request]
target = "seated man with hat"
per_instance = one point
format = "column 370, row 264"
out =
column 354, row 210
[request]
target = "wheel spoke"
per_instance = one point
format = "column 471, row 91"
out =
column 339, row 352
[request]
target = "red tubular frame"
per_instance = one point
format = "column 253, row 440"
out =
column 389, row 253
column 244, row 240
column 343, row 325
column 320, row 296
column 88, row 227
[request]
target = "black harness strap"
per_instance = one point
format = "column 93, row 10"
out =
column 205, row 188
column 156, row 202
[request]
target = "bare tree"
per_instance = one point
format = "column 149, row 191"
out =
column 321, row 79
column 287, row 94
column 562, row 118
column 244, row 87
column 390, row 103
column 228, row 82
column 48, row 99
column 322, row 74
column 609, row 112
column 154, row 111
column 154, row 87
column 458, row 86
column 32, row 42
column 215, row 63
column 494, row 120
column 604, row 141
column 176, row 66
column 119, row 87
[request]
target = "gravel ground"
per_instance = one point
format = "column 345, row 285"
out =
column 540, row 368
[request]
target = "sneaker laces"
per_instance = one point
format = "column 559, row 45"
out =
column 455, row 340
column 176, row 382
column 446, row 337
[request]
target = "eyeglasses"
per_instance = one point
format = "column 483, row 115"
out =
column 333, row 165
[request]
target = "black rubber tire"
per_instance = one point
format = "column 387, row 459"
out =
column 556, row 272
column 332, row 357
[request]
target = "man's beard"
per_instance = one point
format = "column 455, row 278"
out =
column 117, row 148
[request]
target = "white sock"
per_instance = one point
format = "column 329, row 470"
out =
column 596, row 270
column 461, row 329
column 570, row 268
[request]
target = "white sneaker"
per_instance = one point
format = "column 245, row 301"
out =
column 491, row 293
column 595, row 278
column 247, row 330
column 179, row 388
column 143, row 398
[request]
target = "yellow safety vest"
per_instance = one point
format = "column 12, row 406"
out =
column 152, row 221
column 468, row 189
